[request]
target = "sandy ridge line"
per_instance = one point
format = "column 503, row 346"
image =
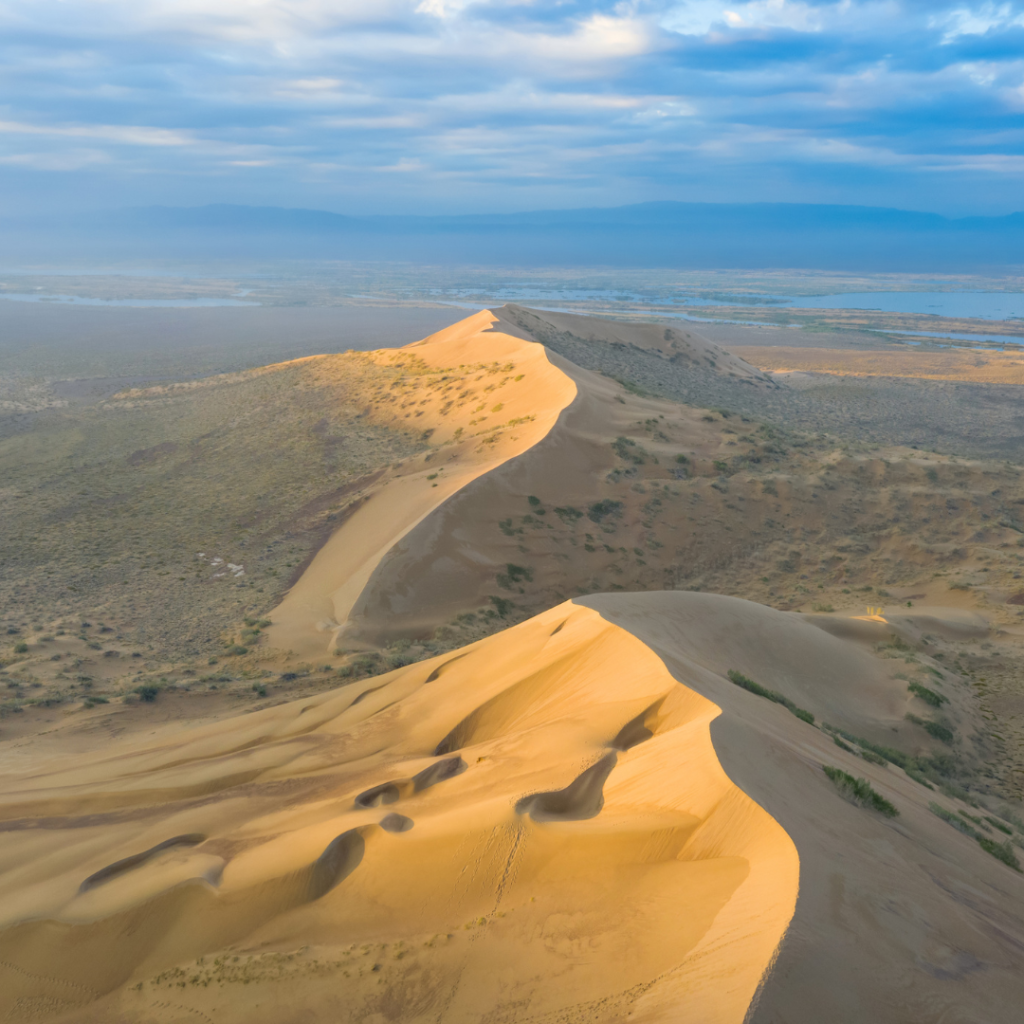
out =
column 312, row 616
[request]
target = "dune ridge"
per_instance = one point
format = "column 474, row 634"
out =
column 610, row 875
column 577, row 819
column 490, row 396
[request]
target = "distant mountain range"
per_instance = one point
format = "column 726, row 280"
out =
column 662, row 234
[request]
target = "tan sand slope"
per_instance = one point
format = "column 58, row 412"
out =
column 482, row 397
column 534, row 829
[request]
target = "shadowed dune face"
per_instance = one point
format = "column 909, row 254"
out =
column 482, row 888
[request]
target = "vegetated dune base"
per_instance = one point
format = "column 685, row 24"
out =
column 536, row 829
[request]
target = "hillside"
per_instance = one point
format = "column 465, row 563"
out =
column 575, row 702
column 581, row 799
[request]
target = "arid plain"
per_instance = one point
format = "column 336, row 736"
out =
column 550, row 668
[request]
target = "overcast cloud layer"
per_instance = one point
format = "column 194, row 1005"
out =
column 455, row 106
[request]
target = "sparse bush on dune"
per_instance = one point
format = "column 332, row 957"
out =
column 860, row 791
column 936, row 700
column 513, row 575
column 938, row 730
column 568, row 514
column 762, row 691
column 604, row 509
column 1000, row 850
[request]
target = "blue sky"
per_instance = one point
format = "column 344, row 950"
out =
column 443, row 106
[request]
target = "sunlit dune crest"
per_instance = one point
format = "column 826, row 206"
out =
column 537, row 826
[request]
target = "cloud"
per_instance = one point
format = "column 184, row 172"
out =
column 703, row 16
column 486, row 104
column 975, row 21
column 131, row 135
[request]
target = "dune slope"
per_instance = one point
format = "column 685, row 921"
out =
column 481, row 397
column 899, row 919
column 578, row 819
column 536, row 828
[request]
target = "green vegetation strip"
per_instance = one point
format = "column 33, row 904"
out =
column 928, row 696
column 860, row 791
column 762, row 691
column 1001, row 851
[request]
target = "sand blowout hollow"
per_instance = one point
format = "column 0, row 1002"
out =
column 535, row 828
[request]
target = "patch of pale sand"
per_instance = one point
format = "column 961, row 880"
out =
column 898, row 920
column 521, row 405
column 637, row 881
column 952, row 364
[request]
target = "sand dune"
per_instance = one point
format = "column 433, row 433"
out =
column 898, row 919
column 486, row 397
column 415, row 557
column 536, row 829
column 577, row 819
column 615, row 809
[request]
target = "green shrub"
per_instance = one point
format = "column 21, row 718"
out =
column 918, row 777
column 629, row 450
column 601, row 510
column 938, row 730
column 568, row 515
column 21, row 647
column 237, row 649
column 762, row 691
column 147, row 693
column 502, row 606
column 928, row 696
column 1001, row 851
column 860, row 791
column 886, row 753
column 513, row 574
column 870, row 755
